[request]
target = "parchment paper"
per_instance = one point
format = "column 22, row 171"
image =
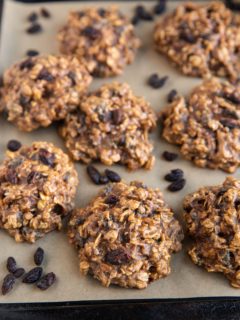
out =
column 186, row 279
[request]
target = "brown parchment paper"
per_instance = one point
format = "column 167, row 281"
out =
column 186, row 279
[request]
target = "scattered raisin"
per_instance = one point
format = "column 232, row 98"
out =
column 93, row 174
column 117, row 116
column 141, row 13
column 35, row 28
column 8, row 283
column 32, row 53
column 112, row 199
column 58, row 209
column 155, row 82
column 46, row 157
column 26, row 64
column 32, row 17
column 14, row 145
column 91, row 33
column 33, row 275
column 24, row 101
column 169, row 156
column 11, row 265
column 46, row 281
column 19, row 272
column 174, row 175
column 172, row 95
column 177, row 185
column 117, row 257
column 135, row 20
column 72, row 76
column 112, row 175
column 39, row 256
column 188, row 37
column 45, row 75
column 45, row 13
column 160, row 7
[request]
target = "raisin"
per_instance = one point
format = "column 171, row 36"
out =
column 112, row 199
column 141, row 12
column 47, row 93
column 24, row 101
column 172, row 95
column 93, row 174
column 232, row 4
column 45, row 75
column 72, row 76
column 155, row 82
column 229, row 124
column 45, row 13
column 32, row 17
column 116, row 116
column 102, row 12
column 58, row 209
column 32, row 53
column 8, row 283
column 39, row 256
column 135, row 20
column 177, row 185
column 46, row 281
column 35, row 28
column 11, row 176
column 174, row 175
column 112, row 175
column 19, row 272
column 26, row 64
column 187, row 37
column 160, row 7
column 14, row 145
column 46, row 157
column 231, row 97
column 117, row 257
column 91, row 33
column 11, row 265
column 169, row 156
column 103, row 179
column 34, row 176
column 33, row 275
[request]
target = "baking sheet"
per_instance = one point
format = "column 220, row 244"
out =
column 186, row 279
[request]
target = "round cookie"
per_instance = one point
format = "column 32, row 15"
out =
column 207, row 125
column 111, row 125
column 212, row 218
column 37, row 187
column 126, row 235
column 201, row 39
column 104, row 38
column 43, row 89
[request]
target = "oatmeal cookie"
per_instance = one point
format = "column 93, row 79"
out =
column 111, row 125
column 201, row 39
column 207, row 125
column 104, row 38
column 212, row 218
column 43, row 89
column 37, row 187
column 126, row 235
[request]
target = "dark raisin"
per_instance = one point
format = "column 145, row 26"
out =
column 117, row 257
column 39, row 256
column 72, row 76
column 172, row 95
column 11, row 265
column 187, row 37
column 47, row 93
column 141, row 12
column 169, row 156
column 112, row 175
column 135, row 20
column 174, row 175
column 19, row 273
column 103, row 179
column 155, row 82
column 8, row 283
column 45, row 75
column 101, row 12
column 231, row 97
column 24, row 101
column 91, row 33
column 237, row 203
column 32, row 53
column 46, row 157
column 93, row 174
column 233, row 5
column 160, row 7
column 229, row 113
column 229, row 123
column 14, row 145
column 32, row 17
column 45, row 13
column 12, row 176
column 117, row 116
column 177, row 185
column 26, row 64
column 58, row 209
column 33, row 275
column 46, row 281
column 35, row 28
column 112, row 199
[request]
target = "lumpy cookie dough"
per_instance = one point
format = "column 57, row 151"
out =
column 103, row 38
column 43, row 89
column 201, row 39
column 212, row 218
column 111, row 125
column 126, row 236
column 37, row 187
column 207, row 125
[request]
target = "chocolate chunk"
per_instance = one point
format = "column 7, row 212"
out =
column 33, row 275
column 174, row 175
column 72, row 76
column 112, row 175
column 46, row 281
column 35, row 28
column 8, row 283
column 155, row 82
column 19, row 273
column 32, row 53
column 172, row 95
column 46, row 157
column 39, row 256
column 177, row 185
column 118, row 257
column 32, row 17
column 45, row 13
column 93, row 174
column 45, row 75
column 11, row 265
column 112, row 199
column 169, row 156
column 26, row 64
column 91, row 33
column 14, row 145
